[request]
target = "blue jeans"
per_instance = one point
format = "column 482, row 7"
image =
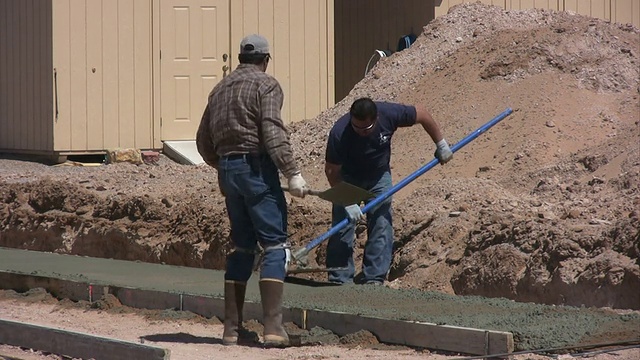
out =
column 379, row 246
column 257, row 211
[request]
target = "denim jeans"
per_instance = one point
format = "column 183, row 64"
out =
column 379, row 246
column 257, row 211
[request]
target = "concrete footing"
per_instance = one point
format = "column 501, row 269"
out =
column 418, row 334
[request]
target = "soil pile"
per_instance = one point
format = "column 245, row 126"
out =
column 543, row 207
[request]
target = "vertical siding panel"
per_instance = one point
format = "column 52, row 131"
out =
column 390, row 24
column 48, row 88
column 14, row 124
column 21, row 115
column 157, row 110
column 5, row 9
column 29, row 63
column 282, row 53
column 311, row 55
column 142, row 70
column 12, row 55
column 376, row 16
column 61, row 56
column 331, row 46
column 78, row 74
column 366, row 14
column 3, row 73
column 266, row 19
column 266, row 26
column 110, row 75
column 7, row 79
column 237, row 30
column 95, row 121
column 323, row 34
column 250, row 18
column 126, row 135
column 362, row 39
column 39, row 63
column 442, row 8
column 626, row 11
column 352, row 45
column 38, row 81
column 296, row 68
column 339, row 44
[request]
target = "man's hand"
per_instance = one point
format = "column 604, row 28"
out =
column 443, row 152
column 297, row 185
column 354, row 213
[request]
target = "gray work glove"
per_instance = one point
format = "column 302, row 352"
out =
column 443, row 152
column 297, row 185
column 354, row 213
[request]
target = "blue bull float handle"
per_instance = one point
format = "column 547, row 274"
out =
column 384, row 196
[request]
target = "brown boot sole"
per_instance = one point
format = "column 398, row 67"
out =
column 230, row 340
column 276, row 341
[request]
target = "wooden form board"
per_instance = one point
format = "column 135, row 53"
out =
column 75, row 344
column 427, row 335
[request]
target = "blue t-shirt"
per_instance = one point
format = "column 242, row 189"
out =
column 366, row 156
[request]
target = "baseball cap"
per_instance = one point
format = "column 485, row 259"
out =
column 254, row 44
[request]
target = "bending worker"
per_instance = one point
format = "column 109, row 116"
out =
column 359, row 152
column 242, row 135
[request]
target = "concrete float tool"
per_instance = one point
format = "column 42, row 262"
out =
column 341, row 194
column 299, row 256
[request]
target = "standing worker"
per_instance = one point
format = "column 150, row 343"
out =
column 359, row 152
column 242, row 135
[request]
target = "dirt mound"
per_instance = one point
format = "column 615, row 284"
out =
column 543, row 207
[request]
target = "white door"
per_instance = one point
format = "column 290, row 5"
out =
column 194, row 49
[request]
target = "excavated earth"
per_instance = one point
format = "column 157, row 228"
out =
column 541, row 208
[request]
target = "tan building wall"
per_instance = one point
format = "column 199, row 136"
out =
column 363, row 26
column 103, row 63
column 26, row 77
column 302, row 41
column 82, row 76
column 621, row 11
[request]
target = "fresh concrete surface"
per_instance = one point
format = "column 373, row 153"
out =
column 184, row 152
column 534, row 326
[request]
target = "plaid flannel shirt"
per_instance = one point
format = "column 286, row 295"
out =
column 242, row 116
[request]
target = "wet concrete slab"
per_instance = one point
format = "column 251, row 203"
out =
column 534, row 326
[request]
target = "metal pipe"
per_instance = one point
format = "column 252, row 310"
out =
column 300, row 253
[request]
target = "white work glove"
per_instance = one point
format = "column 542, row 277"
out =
column 354, row 213
column 297, row 185
column 443, row 152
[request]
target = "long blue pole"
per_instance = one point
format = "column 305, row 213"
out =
column 298, row 254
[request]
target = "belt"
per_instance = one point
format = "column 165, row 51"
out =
column 241, row 156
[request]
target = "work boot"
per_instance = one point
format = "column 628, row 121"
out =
column 234, row 292
column 271, row 294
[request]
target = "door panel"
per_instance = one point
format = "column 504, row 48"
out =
column 194, row 36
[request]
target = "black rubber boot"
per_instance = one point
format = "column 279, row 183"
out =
column 233, row 302
column 271, row 294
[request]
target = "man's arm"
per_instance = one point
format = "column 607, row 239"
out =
column 332, row 171
column 274, row 133
column 443, row 152
column 424, row 118
column 204, row 142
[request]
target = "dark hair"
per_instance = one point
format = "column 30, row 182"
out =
column 255, row 59
column 364, row 108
